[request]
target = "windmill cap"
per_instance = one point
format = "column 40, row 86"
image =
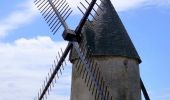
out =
column 108, row 36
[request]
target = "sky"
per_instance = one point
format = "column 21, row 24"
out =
column 28, row 48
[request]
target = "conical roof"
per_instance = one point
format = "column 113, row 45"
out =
column 107, row 36
column 110, row 35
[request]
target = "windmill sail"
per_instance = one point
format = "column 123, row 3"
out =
column 56, row 68
column 55, row 13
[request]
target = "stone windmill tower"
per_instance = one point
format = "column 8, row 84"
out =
column 105, row 61
column 113, row 49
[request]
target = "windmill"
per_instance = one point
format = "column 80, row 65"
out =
column 55, row 13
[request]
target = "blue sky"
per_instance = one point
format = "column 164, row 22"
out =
column 27, row 48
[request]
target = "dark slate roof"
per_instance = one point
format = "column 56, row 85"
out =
column 107, row 36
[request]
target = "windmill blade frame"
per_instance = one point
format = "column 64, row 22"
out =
column 54, row 73
column 55, row 13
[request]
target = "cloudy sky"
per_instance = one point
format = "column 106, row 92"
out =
column 28, row 48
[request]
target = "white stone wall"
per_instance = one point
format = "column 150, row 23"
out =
column 121, row 75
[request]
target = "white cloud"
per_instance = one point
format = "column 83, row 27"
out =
column 125, row 5
column 24, row 65
column 120, row 5
column 28, row 12
column 163, row 3
column 18, row 18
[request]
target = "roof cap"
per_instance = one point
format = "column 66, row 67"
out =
column 110, row 36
